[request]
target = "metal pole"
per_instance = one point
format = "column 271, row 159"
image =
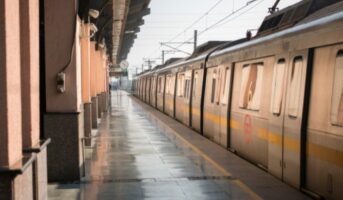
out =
column 163, row 57
column 195, row 38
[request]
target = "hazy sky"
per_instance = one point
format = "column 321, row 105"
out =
column 170, row 18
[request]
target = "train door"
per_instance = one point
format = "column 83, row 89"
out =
column 187, row 97
column 211, row 119
column 148, row 90
column 325, row 124
column 152, row 91
column 172, row 92
column 277, row 115
column 225, row 91
column 169, row 103
column 196, row 96
column 159, row 93
column 293, row 117
column 144, row 89
column 179, row 99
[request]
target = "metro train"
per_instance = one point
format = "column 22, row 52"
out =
column 275, row 99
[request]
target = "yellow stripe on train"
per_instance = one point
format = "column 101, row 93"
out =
column 315, row 150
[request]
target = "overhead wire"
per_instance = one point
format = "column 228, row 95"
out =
column 197, row 20
column 224, row 19
column 191, row 25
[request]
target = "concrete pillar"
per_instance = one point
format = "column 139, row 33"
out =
column 99, row 81
column 63, row 120
column 29, row 39
column 93, row 90
column 13, row 185
column 86, row 96
column 103, row 76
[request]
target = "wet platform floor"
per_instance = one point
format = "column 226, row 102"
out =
column 135, row 156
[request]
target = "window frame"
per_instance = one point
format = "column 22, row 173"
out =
column 282, row 86
column 292, row 111
column 339, row 116
column 213, row 86
column 226, row 86
column 245, row 102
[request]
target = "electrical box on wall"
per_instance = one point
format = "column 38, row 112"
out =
column 61, row 82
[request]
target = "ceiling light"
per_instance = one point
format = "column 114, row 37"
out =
column 93, row 13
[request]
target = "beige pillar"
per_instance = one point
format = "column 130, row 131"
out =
column 85, row 68
column 12, row 184
column 93, row 69
column 93, row 90
column 63, row 120
column 29, row 37
column 99, row 71
column 85, row 63
column 10, row 84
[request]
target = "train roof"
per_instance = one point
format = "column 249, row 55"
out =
column 292, row 15
column 319, row 12
column 293, row 30
column 206, row 47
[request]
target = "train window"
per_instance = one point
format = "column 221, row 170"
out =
column 195, row 84
column 278, row 86
column 218, row 88
column 251, row 86
column 160, row 85
column 213, row 92
column 168, row 79
column 337, row 93
column 180, row 85
column 295, row 87
column 172, row 85
column 226, row 88
column 187, row 88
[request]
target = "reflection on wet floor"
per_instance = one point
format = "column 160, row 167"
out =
column 136, row 158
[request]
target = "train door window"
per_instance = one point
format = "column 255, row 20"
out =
column 168, row 85
column 213, row 92
column 162, row 84
column 218, row 86
column 337, row 93
column 180, row 85
column 295, row 87
column 187, row 88
column 278, row 86
column 195, row 84
column 226, row 88
column 172, row 85
column 251, row 86
column 159, row 85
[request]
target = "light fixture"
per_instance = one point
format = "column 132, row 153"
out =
column 129, row 32
column 93, row 13
column 93, row 29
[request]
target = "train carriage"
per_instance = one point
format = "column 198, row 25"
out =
column 276, row 100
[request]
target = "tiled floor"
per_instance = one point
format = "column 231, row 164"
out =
column 134, row 157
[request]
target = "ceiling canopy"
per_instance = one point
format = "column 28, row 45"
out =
column 118, row 24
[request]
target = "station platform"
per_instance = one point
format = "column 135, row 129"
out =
column 141, row 153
